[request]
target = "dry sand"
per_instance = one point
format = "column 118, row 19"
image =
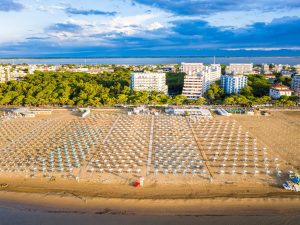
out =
column 280, row 132
column 188, row 190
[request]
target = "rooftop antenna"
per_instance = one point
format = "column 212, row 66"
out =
column 214, row 59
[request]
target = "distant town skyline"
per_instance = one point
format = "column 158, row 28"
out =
column 91, row 28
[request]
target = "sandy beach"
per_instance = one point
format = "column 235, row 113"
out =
column 64, row 208
column 110, row 196
column 279, row 131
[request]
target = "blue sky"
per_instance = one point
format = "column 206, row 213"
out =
column 91, row 28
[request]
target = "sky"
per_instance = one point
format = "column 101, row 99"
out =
column 128, row 28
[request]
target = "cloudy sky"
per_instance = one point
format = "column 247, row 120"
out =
column 90, row 28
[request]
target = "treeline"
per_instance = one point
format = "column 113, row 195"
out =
column 52, row 88
column 82, row 89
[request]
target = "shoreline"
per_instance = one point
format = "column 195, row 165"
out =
column 217, row 206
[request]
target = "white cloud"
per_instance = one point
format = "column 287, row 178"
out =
column 95, row 30
column 155, row 26
column 244, row 18
column 51, row 8
column 132, row 20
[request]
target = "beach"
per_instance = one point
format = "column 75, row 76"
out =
column 51, row 209
column 110, row 197
column 279, row 131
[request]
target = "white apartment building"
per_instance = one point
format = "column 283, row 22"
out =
column 266, row 68
column 32, row 68
column 278, row 90
column 297, row 67
column 196, row 84
column 191, row 68
column 148, row 82
column 192, row 87
column 277, row 68
column 4, row 74
column 295, row 85
column 2, row 78
column 8, row 73
column 239, row 68
column 210, row 75
column 233, row 83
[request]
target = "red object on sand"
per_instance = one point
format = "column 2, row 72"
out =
column 136, row 184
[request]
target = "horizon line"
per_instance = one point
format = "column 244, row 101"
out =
column 119, row 57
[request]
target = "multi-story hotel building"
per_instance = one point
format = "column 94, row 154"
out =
column 277, row 68
column 148, row 82
column 197, row 83
column 297, row 67
column 295, row 85
column 192, row 88
column 4, row 74
column 266, row 68
column 239, row 68
column 233, row 83
column 210, row 74
column 191, row 68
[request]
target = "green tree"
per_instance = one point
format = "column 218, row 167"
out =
column 201, row 101
column 175, row 83
column 247, row 91
column 284, row 80
column 259, row 85
column 56, row 88
column 179, row 99
column 215, row 93
column 229, row 101
column 285, row 101
column 122, row 99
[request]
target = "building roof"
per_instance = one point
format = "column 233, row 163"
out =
column 269, row 75
column 279, row 86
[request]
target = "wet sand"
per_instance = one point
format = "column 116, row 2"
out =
column 20, row 208
column 12, row 217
